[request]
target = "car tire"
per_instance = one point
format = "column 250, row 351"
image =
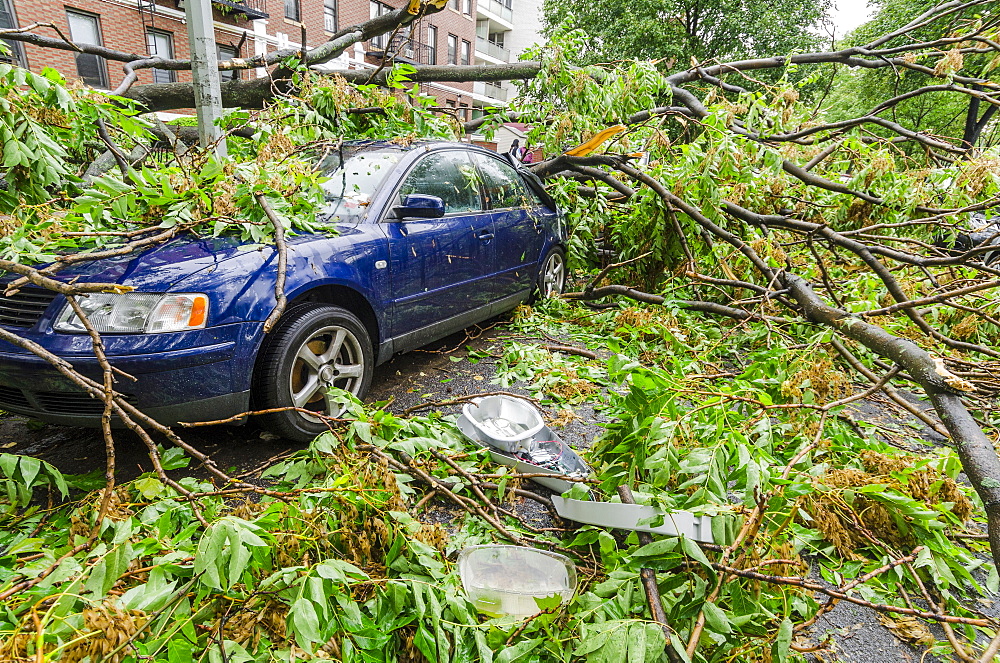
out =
column 313, row 347
column 552, row 275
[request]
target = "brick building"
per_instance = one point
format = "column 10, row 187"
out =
column 249, row 27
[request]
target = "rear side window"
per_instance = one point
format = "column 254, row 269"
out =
column 502, row 185
column 448, row 175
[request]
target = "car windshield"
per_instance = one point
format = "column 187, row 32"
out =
column 354, row 177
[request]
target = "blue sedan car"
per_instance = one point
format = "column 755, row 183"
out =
column 427, row 239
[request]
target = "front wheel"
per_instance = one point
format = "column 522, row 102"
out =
column 316, row 347
column 552, row 275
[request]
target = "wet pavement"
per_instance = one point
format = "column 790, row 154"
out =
column 427, row 375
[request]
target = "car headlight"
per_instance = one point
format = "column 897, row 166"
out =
column 136, row 313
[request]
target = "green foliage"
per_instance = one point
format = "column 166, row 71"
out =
column 49, row 138
column 333, row 565
column 43, row 127
column 677, row 31
column 719, row 419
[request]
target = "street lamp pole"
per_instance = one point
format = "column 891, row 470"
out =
column 205, row 72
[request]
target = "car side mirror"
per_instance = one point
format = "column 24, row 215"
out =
column 420, row 206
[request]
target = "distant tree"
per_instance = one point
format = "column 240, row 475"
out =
column 677, row 30
column 939, row 112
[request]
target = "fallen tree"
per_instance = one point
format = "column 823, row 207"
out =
column 719, row 194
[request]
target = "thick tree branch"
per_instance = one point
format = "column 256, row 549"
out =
column 976, row 451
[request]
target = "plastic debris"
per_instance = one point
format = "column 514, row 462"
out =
column 507, row 580
column 504, row 422
column 516, row 436
column 635, row 517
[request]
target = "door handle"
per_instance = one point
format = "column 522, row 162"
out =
column 485, row 235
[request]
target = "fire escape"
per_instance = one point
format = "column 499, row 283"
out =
column 147, row 14
column 401, row 48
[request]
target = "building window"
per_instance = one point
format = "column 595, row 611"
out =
column 452, row 49
column 376, row 9
column 466, row 48
column 330, row 15
column 455, row 4
column 467, row 7
column 85, row 29
column 432, row 43
column 161, row 44
column 8, row 22
column 292, row 10
column 227, row 53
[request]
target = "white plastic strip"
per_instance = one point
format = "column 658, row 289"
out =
column 616, row 515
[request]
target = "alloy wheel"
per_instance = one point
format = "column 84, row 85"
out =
column 331, row 357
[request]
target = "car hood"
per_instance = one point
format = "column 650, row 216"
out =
column 161, row 267
column 164, row 267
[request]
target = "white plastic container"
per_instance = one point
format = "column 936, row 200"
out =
column 506, row 580
column 504, row 422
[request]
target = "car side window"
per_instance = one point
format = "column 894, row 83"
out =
column 448, row 175
column 502, row 185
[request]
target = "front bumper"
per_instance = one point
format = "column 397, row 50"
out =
column 207, row 381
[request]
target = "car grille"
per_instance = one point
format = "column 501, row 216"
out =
column 26, row 307
column 71, row 402
column 12, row 397
column 55, row 402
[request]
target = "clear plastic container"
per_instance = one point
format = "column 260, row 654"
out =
column 506, row 580
column 504, row 422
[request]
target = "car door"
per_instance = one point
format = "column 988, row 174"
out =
column 519, row 235
column 441, row 268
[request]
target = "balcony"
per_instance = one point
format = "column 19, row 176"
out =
column 491, row 90
column 251, row 9
column 401, row 49
column 491, row 49
column 498, row 9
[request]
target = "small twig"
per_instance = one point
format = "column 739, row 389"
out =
column 279, row 242
column 570, row 350
column 648, row 577
column 255, row 413
column 934, row 299
column 604, row 272
column 102, row 132
column 463, row 399
column 991, row 651
column 888, row 389
column 832, row 602
column 879, row 607
column 865, row 394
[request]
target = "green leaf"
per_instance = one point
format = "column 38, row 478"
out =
column 715, row 618
column 150, row 487
column 637, row 643
column 518, row 651
column 174, row 458
column 694, row 551
column 657, row 548
column 304, row 622
column 783, row 642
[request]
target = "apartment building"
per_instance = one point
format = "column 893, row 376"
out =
column 242, row 28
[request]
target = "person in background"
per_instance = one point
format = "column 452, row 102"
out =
column 528, row 155
column 516, row 150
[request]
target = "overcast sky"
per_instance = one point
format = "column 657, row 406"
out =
column 849, row 14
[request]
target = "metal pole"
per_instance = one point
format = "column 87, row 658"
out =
column 205, row 72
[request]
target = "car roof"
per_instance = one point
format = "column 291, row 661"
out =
column 415, row 145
